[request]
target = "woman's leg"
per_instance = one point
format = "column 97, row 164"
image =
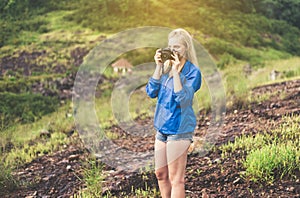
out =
column 177, row 160
column 161, row 169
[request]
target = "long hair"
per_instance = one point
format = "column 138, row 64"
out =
column 186, row 39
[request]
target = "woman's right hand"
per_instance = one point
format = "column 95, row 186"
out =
column 157, row 58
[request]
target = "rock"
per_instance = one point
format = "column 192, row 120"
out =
column 73, row 157
column 45, row 133
column 290, row 189
column 217, row 161
column 274, row 74
column 236, row 181
column 69, row 168
column 247, row 69
column 204, row 193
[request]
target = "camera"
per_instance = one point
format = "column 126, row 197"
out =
column 166, row 54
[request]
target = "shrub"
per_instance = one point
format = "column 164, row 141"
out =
column 24, row 108
column 226, row 59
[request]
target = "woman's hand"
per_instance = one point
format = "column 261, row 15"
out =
column 157, row 58
column 175, row 62
column 159, row 65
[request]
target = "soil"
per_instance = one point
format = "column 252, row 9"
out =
column 60, row 174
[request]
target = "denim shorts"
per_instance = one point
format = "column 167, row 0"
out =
column 166, row 137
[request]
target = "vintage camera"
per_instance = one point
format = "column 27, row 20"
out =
column 166, row 54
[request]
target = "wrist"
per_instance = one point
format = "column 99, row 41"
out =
column 175, row 70
column 159, row 65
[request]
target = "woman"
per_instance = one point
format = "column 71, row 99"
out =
column 174, row 118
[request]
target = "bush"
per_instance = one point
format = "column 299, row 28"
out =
column 24, row 108
column 226, row 59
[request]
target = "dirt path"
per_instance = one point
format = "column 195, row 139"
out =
column 59, row 174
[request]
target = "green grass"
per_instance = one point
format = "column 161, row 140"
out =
column 270, row 155
column 272, row 161
column 261, row 75
column 238, row 86
column 21, row 134
column 61, row 31
column 28, row 144
column 93, row 178
column 7, row 180
column 25, row 154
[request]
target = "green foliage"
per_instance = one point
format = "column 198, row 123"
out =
column 233, row 23
column 93, row 178
column 272, row 160
column 15, row 28
column 23, row 15
column 25, row 154
column 274, row 9
column 287, row 10
column 7, row 181
column 24, row 108
column 270, row 155
column 24, row 9
column 226, row 59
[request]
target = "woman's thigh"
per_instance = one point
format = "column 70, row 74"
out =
column 177, row 158
column 160, row 154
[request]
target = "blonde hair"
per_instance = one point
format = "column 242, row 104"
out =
column 186, row 39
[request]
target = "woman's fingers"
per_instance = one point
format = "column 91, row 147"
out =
column 175, row 62
column 157, row 57
column 175, row 56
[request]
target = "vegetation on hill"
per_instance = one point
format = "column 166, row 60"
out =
column 50, row 38
column 233, row 30
column 228, row 26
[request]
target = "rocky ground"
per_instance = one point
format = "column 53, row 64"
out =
column 60, row 174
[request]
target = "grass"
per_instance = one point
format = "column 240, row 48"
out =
column 271, row 155
column 93, row 178
column 59, row 37
column 238, row 85
column 7, row 181
column 23, row 142
column 272, row 161
column 22, row 133
column 261, row 76
column 27, row 153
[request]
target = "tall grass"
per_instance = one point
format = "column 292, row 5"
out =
column 238, row 84
column 271, row 155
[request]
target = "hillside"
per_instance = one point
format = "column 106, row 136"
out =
column 43, row 44
column 218, row 174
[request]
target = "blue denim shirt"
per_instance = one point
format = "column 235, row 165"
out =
column 174, row 113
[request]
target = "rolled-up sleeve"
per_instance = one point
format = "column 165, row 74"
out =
column 189, row 87
column 153, row 87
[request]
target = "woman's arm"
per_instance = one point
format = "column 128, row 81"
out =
column 184, row 91
column 157, row 72
column 175, row 72
column 177, row 82
column 190, row 85
column 153, row 86
column 159, row 64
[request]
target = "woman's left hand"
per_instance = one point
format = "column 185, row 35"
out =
column 175, row 62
